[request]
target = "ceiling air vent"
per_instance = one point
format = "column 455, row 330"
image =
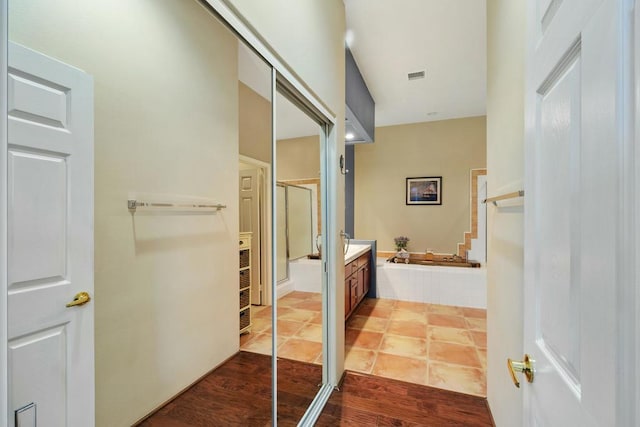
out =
column 417, row 75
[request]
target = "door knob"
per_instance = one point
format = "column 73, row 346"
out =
column 81, row 298
column 526, row 367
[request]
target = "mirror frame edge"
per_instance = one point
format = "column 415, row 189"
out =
column 4, row 45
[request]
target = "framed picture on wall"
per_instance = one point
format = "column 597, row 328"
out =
column 424, row 190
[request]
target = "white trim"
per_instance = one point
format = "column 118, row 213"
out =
column 314, row 410
column 265, row 219
column 274, row 254
column 286, row 287
column 4, row 45
column 634, row 142
column 268, row 238
column 335, row 318
column 328, row 244
column 253, row 162
column 627, row 230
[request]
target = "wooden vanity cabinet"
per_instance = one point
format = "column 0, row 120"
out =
column 356, row 283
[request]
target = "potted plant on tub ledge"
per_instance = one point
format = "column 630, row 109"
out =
column 401, row 249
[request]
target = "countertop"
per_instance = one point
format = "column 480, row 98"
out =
column 354, row 251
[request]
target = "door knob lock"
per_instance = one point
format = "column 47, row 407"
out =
column 526, row 367
column 81, row 298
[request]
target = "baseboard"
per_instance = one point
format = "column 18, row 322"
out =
column 285, row 288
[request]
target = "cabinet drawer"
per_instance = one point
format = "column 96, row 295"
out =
column 245, row 298
column 363, row 260
column 244, row 258
column 245, row 278
column 350, row 268
column 245, row 318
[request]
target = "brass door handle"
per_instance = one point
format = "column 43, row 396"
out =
column 526, row 367
column 81, row 298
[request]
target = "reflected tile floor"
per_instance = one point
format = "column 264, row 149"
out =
column 435, row 345
column 299, row 328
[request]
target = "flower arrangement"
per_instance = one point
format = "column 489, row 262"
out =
column 401, row 242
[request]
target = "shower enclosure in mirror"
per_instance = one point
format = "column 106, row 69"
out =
column 300, row 220
column 296, row 222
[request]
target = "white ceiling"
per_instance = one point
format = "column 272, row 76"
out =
column 389, row 39
column 446, row 38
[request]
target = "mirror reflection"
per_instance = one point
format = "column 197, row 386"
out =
column 297, row 297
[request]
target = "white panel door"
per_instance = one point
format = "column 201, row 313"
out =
column 50, row 233
column 250, row 222
column 574, row 128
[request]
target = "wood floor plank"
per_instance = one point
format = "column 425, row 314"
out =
column 238, row 393
column 401, row 403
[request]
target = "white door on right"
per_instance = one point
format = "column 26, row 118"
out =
column 575, row 111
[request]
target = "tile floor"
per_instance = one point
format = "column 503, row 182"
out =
column 435, row 345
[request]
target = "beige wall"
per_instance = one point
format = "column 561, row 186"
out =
column 166, row 122
column 505, row 156
column 447, row 148
column 298, row 158
column 255, row 124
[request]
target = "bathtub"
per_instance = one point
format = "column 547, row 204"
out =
column 459, row 286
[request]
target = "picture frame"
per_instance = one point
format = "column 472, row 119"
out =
column 426, row 190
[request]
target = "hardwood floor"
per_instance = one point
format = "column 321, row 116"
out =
column 238, row 393
column 367, row 400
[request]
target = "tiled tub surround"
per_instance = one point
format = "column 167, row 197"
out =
column 456, row 286
column 429, row 344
